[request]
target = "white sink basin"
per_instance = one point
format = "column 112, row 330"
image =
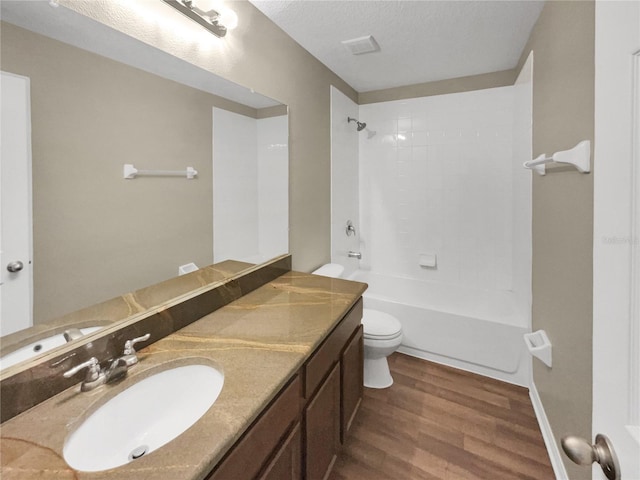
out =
column 36, row 348
column 142, row 418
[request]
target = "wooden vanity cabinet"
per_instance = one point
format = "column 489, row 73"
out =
column 263, row 440
column 352, row 381
column 322, row 432
column 333, row 389
column 287, row 462
column 299, row 435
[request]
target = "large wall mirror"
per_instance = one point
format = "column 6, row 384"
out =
column 97, row 100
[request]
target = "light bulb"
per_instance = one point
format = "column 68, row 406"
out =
column 228, row 18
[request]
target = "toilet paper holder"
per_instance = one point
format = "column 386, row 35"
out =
column 539, row 346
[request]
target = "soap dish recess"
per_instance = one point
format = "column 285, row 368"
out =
column 539, row 346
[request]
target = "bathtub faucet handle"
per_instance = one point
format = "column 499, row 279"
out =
column 357, row 255
column 350, row 230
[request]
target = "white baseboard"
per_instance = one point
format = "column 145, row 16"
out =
column 549, row 440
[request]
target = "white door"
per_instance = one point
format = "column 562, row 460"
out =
column 616, row 322
column 15, row 204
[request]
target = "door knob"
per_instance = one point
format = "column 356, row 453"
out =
column 16, row 266
column 580, row 451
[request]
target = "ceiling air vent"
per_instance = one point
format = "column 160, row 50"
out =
column 360, row 45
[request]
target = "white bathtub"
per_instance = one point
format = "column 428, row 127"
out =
column 475, row 330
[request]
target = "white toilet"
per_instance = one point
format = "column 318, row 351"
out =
column 382, row 337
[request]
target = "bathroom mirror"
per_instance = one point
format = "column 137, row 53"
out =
column 99, row 100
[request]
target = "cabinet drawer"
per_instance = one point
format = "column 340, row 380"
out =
column 248, row 456
column 329, row 351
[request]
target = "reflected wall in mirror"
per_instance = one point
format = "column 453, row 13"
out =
column 97, row 236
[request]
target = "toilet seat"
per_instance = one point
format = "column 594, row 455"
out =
column 378, row 325
column 382, row 337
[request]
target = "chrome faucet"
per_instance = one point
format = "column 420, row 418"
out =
column 357, row 255
column 97, row 376
column 129, row 354
column 117, row 368
column 350, row 229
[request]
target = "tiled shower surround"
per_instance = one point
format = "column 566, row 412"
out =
column 250, row 187
column 437, row 178
column 442, row 177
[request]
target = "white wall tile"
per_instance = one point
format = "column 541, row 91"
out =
column 250, row 187
column 444, row 189
column 273, row 185
column 235, row 186
column 521, row 189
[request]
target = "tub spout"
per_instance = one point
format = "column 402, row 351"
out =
column 357, row 255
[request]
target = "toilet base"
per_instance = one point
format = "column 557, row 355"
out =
column 376, row 373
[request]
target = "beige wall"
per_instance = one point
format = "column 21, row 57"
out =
column 563, row 115
column 96, row 235
column 259, row 55
column 442, row 87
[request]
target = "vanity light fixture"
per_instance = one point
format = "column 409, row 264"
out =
column 211, row 14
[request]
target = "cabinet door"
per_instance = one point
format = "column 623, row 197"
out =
column 248, row 456
column 352, row 376
column 286, row 465
column 323, row 427
column 328, row 353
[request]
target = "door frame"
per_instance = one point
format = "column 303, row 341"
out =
column 616, row 256
column 28, row 201
column 634, row 393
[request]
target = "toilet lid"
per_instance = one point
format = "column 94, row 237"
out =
column 379, row 324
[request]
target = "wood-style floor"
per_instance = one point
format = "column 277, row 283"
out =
column 437, row 422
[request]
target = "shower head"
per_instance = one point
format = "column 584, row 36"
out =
column 361, row 125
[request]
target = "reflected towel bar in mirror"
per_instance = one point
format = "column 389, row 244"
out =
column 131, row 172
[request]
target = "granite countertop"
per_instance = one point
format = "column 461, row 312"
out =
column 259, row 341
column 124, row 306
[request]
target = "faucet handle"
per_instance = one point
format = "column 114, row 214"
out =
column 93, row 371
column 129, row 354
column 350, row 229
column 128, row 345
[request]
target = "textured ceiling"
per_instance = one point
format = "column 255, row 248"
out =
column 420, row 41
